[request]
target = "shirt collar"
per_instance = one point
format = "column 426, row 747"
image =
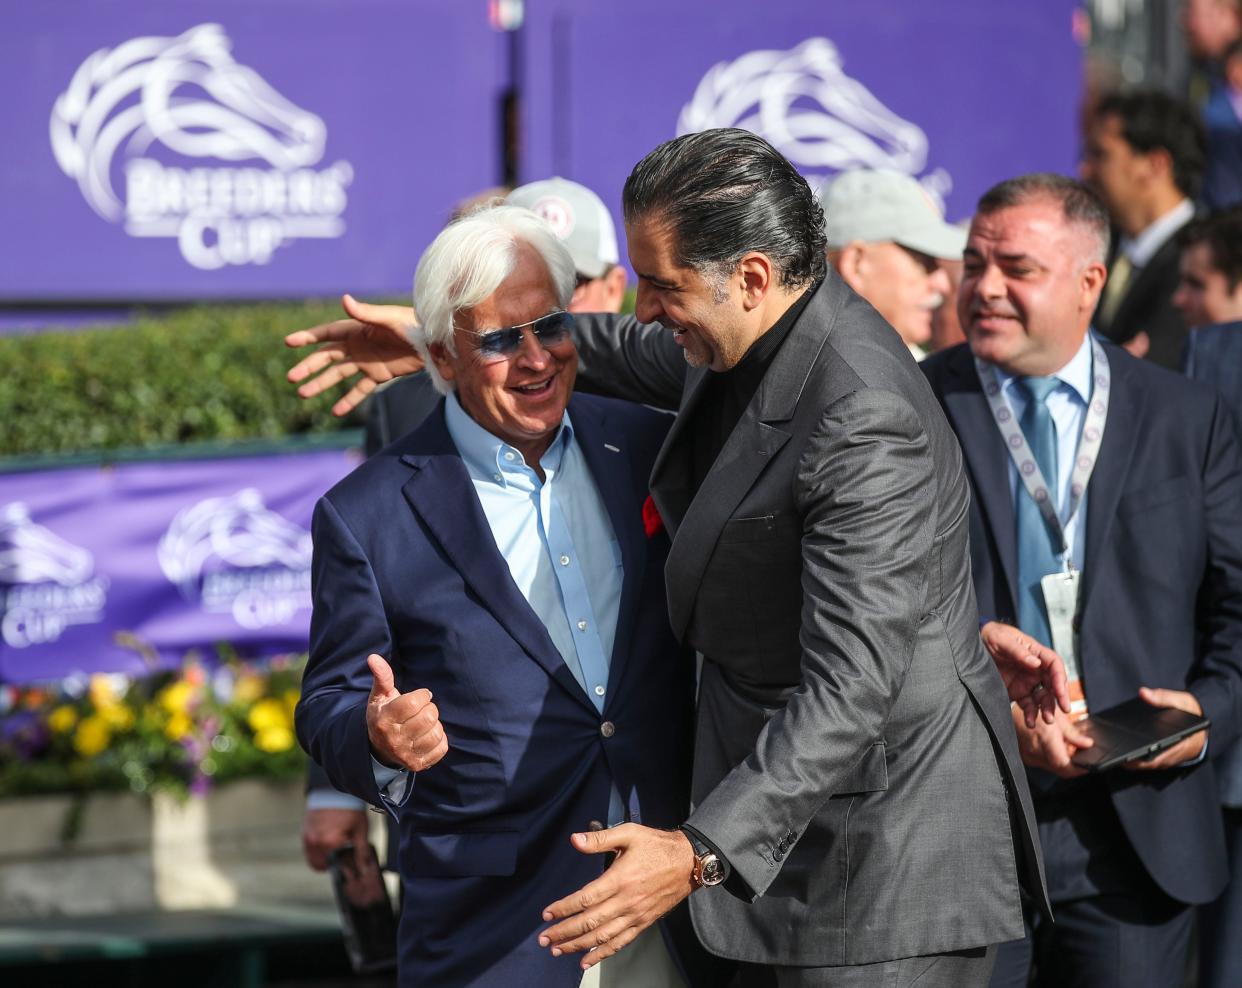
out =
column 485, row 455
column 1076, row 374
column 1140, row 249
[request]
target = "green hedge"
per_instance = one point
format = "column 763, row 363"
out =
column 194, row 375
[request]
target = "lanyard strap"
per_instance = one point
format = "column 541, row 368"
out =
column 1020, row 452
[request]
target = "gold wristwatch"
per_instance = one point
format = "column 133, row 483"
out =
column 708, row 869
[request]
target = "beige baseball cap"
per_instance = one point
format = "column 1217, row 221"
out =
column 874, row 206
column 578, row 216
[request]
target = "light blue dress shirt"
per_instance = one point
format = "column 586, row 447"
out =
column 557, row 539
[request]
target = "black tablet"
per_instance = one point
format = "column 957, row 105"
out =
column 1133, row 731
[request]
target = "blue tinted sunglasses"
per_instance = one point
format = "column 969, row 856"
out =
column 500, row 344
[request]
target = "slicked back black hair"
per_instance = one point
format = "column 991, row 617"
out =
column 727, row 192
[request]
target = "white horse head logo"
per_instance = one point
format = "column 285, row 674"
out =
column 805, row 105
column 238, row 530
column 30, row 553
column 186, row 93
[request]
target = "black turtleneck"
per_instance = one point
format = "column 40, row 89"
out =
column 727, row 393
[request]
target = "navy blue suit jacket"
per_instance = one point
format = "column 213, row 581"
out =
column 405, row 566
column 1214, row 357
column 1162, row 582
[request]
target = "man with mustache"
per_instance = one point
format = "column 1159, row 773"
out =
column 888, row 241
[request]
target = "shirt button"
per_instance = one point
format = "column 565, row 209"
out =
column 599, row 691
column 607, row 728
column 564, row 560
column 582, row 626
column 509, row 457
column 497, row 477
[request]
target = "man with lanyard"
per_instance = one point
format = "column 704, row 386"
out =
column 1107, row 522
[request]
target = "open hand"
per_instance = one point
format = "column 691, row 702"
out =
column 373, row 342
column 1034, row 674
column 404, row 728
column 651, row 875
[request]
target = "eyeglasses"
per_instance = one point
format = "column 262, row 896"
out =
column 501, row 344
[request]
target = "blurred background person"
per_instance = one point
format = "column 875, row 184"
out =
column 1222, row 118
column 1209, row 28
column 1144, row 156
column 887, row 239
column 1209, row 295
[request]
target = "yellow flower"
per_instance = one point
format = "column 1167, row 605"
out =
column 248, row 688
column 92, row 736
column 63, row 719
column 117, row 716
column 175, row 697
column 273, row 739
column 268, row 713
column 102, row 692
column 178, row 726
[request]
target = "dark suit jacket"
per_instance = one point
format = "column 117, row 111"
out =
column 1214, row 357
column 397, row 408
column 405, row 565
column 855, row 757
column 1147, row 306
column 1162, row 582
column 392, row 411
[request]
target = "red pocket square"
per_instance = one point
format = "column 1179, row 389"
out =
column 653, row 524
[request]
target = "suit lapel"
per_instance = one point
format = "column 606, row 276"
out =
column 751, row 446
column 670, row 474
column 441, row 494
column 987, row 459
column 615, row 482
column 1121, row 432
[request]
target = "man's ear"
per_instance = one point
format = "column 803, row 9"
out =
column 851, row 264
column 758, row 278
column 1092, row 283
column 615, row 282
column 443, row 360
column 1159, row 164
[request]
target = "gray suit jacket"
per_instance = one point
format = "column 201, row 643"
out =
column 855, row 759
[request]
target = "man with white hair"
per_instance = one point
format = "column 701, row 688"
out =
column 583, row 223
column 887, row 239
column 500, row 557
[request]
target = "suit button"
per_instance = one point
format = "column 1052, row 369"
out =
column 778, row 854
column 595, row 825
column 607, row 728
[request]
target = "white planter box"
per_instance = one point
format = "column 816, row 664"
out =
column 240, row 843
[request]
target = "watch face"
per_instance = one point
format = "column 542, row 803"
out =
column 713, row 871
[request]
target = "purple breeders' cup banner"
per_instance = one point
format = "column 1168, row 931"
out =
column 959, row 95
column 175, row 556
column 238, row 148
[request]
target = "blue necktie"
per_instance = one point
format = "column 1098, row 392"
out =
column 1037, row 557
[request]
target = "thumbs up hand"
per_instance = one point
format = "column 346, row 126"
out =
column 404, row 728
